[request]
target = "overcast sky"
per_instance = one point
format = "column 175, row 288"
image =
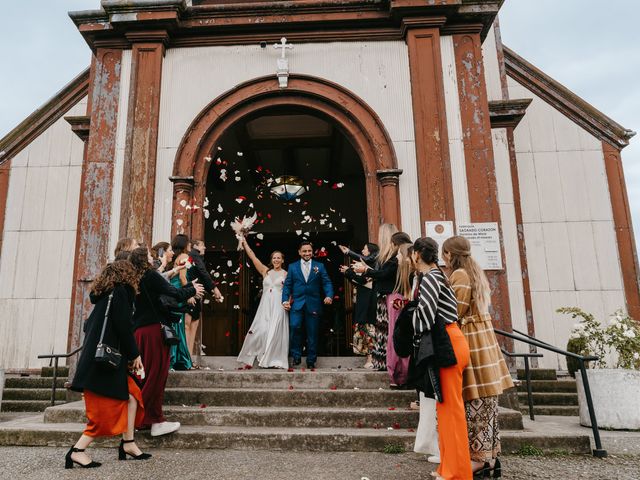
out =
column 592, row 50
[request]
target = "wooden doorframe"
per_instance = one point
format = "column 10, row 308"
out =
column 356, row 120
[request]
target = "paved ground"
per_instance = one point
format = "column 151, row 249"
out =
column 47, row 463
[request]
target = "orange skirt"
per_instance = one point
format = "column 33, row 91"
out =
column 106, row 416
column 452, row 422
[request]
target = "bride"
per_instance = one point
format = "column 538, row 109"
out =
column 268, row 337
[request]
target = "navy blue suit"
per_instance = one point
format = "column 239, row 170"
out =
column 307, row 298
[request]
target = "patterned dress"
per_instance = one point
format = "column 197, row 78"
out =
column 485, row 377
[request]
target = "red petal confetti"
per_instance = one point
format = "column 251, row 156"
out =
column 410, row 430
column 289, row 369
column 396, row 426
column 359, row 425
column 303, row 369
column 313, row 369
column 376, row 426
column 290, row 387
column 227, row 334
column 268, row 215
column 203, row 405
column 333, row 387
column 392, row 408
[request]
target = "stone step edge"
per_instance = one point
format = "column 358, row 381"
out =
column 300, row 439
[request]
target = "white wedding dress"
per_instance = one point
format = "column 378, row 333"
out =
column 268, row 337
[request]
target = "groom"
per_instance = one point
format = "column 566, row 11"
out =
column 306, row 281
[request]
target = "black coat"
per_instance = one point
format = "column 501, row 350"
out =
column 199, row 271
column 148, row 307
column 365, row 307
column 432, row 352
column 118, row 334
column 384, row 276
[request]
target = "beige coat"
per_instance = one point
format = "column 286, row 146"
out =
column 487, row 374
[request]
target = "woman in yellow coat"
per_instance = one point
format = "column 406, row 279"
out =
column 487, row 374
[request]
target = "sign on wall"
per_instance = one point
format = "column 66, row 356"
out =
column 439, row 231
column 485, row 243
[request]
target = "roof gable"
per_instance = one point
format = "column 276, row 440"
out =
column 565, row 101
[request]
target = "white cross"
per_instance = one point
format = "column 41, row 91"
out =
column 283, row 45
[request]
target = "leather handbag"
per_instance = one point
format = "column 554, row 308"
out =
column 106, row 355
column 169, row 335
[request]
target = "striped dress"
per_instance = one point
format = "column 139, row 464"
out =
column 436, row 298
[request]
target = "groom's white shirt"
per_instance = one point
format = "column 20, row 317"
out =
column 306, row 269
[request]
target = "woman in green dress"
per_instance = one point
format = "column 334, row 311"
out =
column 180, row 356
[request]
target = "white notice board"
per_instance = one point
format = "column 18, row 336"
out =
column 485, row 243
column 439, row 231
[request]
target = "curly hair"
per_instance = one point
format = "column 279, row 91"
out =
column 119, row 271
column 139, row 258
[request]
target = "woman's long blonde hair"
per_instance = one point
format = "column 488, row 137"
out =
column 387, row 248
column 460, row 250
column 405, row 267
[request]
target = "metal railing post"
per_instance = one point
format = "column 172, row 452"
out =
column 55, row 381
column 599, row 451
column 527, row 376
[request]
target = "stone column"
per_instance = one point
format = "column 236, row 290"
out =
column 94, row 210
column 390, row 196
column 138, row 182
column 432, row 145
column 182, row 196
column 479, row 162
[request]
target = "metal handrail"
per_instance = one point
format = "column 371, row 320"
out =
column 598, row 451
column 527, row 375
column 56, row 357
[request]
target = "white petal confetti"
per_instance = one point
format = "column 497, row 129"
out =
column 259, row 236
column 240, row 154
column 229, row 263
column 179, row 222
column 219, row 208
column 183, row 203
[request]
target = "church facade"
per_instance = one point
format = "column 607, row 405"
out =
column 418, row 104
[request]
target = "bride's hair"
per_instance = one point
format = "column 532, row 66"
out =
column 270, row 265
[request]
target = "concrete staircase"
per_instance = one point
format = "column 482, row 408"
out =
column 552, row 395
column 33, row 393
column 331, row 409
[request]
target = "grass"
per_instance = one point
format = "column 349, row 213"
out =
column 393, row 449
column 530, row 451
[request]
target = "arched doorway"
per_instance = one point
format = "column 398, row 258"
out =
column 314, row 130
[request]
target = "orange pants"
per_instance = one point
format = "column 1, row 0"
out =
column 106, row 416
column 455, row 461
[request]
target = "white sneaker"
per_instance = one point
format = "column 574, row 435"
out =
column 164, row 428
column 430, row 458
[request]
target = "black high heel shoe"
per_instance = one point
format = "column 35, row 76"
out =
column 68, row 461
column 122, row 453
column 497, row 469
column 483, row 472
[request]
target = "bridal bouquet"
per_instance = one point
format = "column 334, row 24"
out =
column 242, row 227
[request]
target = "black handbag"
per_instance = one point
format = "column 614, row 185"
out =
column 106, row 355
column 169, row 335
column 403, row 331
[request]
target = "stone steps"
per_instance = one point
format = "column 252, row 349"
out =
column 304, row 417
column 26, row 405
column 33, row 432
column 245, row 397
column 32, row 394
column 556, row 386
column 541, row 399
column 274, row 379
column 538, row 374
column 32, row 382
column 556, row 410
